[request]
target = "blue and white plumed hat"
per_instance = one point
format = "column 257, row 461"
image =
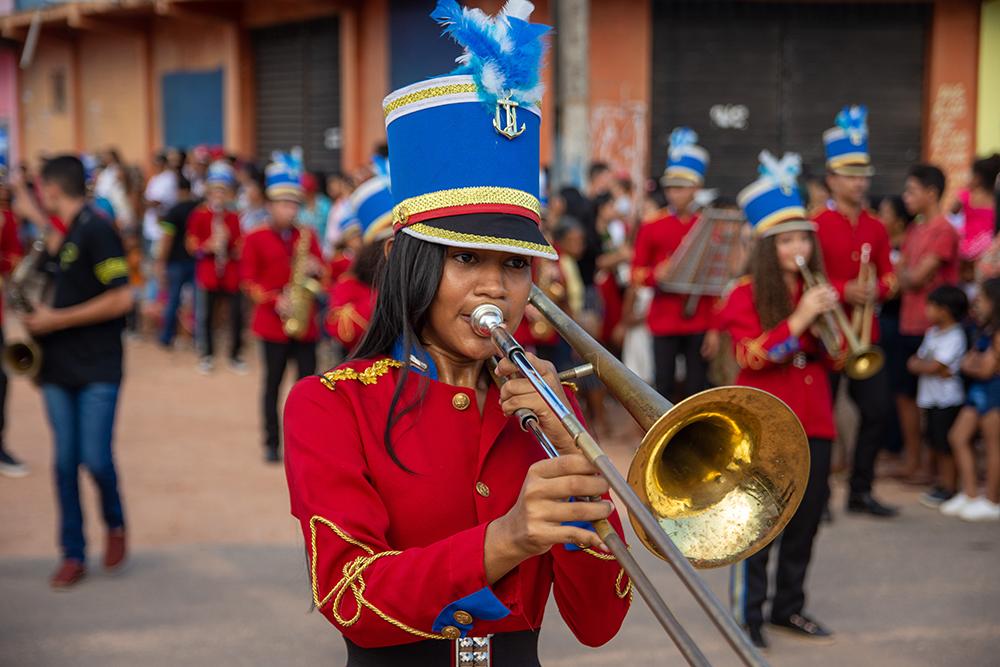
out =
column 465, row 147
column 283, row 176
column 221, row 175
column 847, row 143
column 772, row 203
column 686, row 161
column 371, row 210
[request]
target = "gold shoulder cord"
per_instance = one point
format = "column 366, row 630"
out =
column 366, row 376
column 353, row 581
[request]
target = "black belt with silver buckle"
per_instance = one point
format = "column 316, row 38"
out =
column 507, row 649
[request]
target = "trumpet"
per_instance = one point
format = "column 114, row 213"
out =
column 861, row 318
column 863, row 359
column 24, row 357
column 715, row 478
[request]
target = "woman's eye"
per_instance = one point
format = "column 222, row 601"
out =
column 517, row 263
column 464, row 257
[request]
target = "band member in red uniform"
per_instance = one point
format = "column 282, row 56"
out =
column 674, row 333
column 846, row 232
column 213, row 238
column 415, row 422
column 351, row 294
column 271, row 255
column 770, row 321
column 10, row 255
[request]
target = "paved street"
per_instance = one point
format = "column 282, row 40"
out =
column 218, row 575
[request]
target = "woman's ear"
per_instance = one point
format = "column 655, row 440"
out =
column 387, row 248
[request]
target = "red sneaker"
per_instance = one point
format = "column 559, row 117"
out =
column 114, row 549
column 69, row 573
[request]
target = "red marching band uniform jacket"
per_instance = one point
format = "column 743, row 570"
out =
column 265, row 270
column 199, row 228
column 351, row 306
column 10, row 249
column 396, row 556
column 793, row 369
column 655, row 243
column 841, row 244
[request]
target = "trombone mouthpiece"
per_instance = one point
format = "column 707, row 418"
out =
column 800, row 261
column 485, row 318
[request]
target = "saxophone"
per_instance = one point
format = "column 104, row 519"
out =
column 301, row 290
column 24, row 357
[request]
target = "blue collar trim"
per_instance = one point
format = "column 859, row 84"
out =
column 420, row 362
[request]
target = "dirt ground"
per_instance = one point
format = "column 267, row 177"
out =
column 218, row 574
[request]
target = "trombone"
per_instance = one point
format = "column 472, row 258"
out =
column 863, row 359
column 715, row 478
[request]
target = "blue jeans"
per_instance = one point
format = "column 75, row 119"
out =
column 179, row 274
column 82, row 420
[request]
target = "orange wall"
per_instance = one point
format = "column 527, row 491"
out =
column 42, row 129
column 620, row 79
column 113, row 104
column 950, row 127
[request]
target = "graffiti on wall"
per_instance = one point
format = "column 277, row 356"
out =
column 951, row 133
column 618, row 136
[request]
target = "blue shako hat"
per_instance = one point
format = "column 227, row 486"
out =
column 847, row 144
column 465, row 147
column 221, row 174
column 371, row 210
column 686, row 161
column 772, row 203
column 283, row 176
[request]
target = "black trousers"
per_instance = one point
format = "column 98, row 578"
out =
column 873, row 401
column 748, row 587
column 211, row 302
column 509, row 649
column 3, row 395
column 665, row 352
column 276, row 357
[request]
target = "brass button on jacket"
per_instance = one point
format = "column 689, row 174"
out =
column 460, row 401
column 451, row 632
column 463, row 617
column 482, row 489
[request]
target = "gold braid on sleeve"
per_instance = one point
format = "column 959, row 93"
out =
column 353, row 581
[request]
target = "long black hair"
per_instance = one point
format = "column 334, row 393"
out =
column 406, row 284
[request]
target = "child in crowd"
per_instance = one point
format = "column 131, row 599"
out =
column 939, row 387
column 981, row 413
column 928, row 259
column 214, row 239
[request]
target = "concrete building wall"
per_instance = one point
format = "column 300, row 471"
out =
column 9, row 107
column 988, row 110
column 113, row 102
column 48, row 107
column 950, row 113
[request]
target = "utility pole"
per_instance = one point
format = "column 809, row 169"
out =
column 572, row 140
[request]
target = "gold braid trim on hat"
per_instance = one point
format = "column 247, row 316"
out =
column 368, row 375
column 428, row 93
column 459, row 237
column 471, row 196
column 353, row 581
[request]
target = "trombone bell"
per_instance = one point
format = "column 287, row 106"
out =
column 720, row 474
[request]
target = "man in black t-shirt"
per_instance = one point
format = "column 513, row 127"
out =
column 80, row 335
column 175, row 264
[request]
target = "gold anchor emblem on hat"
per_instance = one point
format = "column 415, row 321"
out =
column 509, row 129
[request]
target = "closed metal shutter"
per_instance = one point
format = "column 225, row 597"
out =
column 748, row 76
column 297, row 75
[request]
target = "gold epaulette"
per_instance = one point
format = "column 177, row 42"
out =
column 369, row 375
